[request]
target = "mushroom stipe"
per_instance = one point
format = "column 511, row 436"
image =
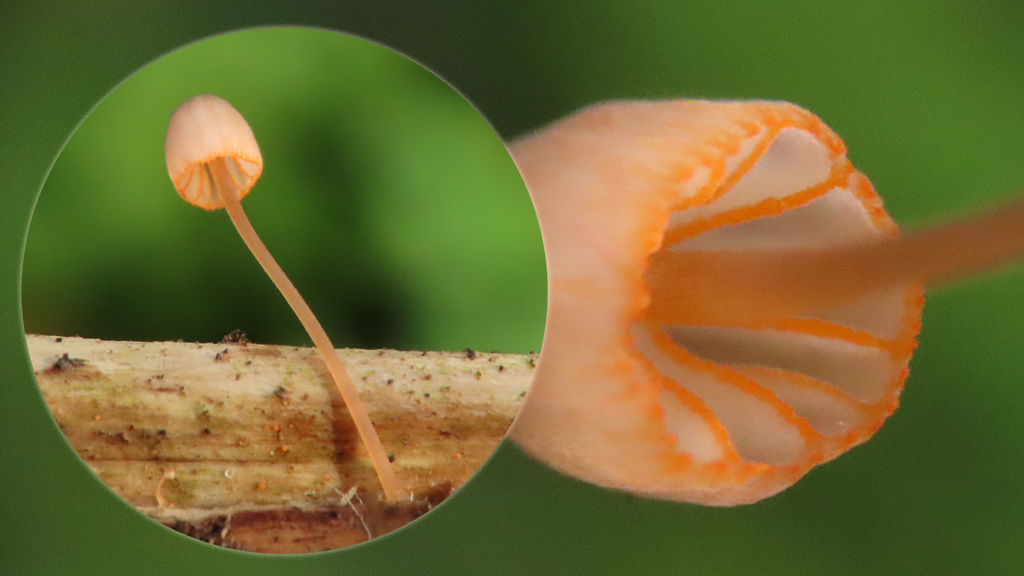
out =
column 213, row 161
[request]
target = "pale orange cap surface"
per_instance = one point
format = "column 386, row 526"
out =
column 201, row 130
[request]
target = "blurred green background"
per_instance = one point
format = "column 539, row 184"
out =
column 927, row 96
column 387, row 199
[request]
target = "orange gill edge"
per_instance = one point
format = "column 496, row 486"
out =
column 819, row 449
column 186, row 178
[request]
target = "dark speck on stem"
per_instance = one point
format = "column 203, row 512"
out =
column 66, row 362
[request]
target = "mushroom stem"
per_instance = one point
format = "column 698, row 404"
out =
column 221, row 180
column 750, row 287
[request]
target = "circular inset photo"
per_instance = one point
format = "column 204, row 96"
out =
column 284, row 290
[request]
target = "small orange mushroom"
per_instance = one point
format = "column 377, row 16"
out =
column 213, row 161
column 729, row 305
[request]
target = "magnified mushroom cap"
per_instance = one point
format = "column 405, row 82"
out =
column 713, row 414
column 202, row 130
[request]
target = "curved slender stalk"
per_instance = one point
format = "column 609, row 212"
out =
column 736, row 287
column 221, row 180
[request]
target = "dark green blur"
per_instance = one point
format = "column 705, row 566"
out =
column 927, row 95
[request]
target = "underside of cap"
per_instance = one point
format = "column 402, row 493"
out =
column 207, row 129
column 711, row 414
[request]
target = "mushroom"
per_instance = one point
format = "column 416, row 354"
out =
column 729, row 304
column 213, row 161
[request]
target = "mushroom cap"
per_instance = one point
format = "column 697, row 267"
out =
column 203, row 129
column 717, row 415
